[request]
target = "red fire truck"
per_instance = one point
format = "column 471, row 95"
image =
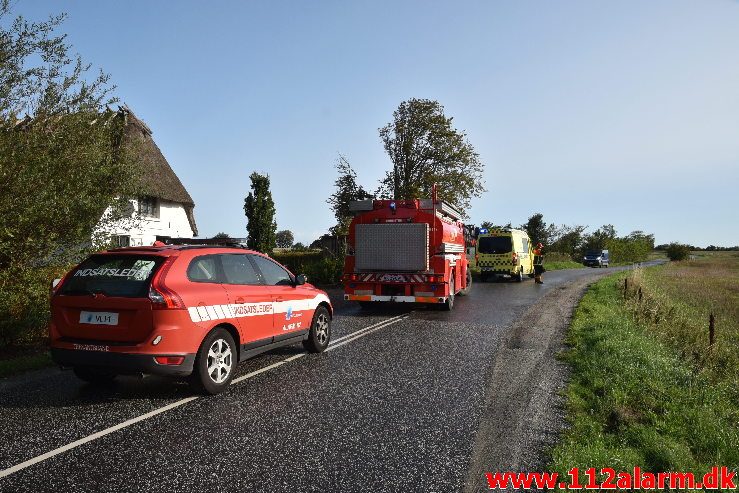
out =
column 406, row 251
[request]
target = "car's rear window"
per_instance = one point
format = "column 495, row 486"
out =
column 125, row 276
column 495, row 244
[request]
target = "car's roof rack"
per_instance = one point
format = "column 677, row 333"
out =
column 187, row 244
column 210, row 245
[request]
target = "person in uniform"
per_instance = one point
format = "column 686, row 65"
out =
column 538, row 263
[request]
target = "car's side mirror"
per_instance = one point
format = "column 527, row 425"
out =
column 300, row 279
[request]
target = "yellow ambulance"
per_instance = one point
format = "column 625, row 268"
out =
column 504, row 252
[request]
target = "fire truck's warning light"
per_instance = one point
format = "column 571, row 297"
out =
column 483, row 231
column 393, row 206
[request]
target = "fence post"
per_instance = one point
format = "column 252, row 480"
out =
column 626, row 286
column 640, row 294
column 711, row 330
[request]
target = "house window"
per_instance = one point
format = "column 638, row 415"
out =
column 148, row 206
column 121, row 241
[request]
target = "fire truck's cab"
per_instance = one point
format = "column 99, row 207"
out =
column 406, row 251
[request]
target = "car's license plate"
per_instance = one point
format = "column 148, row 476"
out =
column 99, row 318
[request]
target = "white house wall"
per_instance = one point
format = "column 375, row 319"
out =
column 172, row 221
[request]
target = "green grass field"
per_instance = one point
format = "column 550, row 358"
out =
column 646, row 387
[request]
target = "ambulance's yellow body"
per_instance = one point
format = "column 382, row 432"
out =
column 505, row 252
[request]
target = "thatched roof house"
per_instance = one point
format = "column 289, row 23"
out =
column 158, row 180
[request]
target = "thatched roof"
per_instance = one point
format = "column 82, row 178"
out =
column 158, row 178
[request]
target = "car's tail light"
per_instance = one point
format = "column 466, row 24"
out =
column 514, row 257
column 56, row 285
column 163, row 298
column 169, row 360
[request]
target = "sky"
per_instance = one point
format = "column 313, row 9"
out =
column 621, row 112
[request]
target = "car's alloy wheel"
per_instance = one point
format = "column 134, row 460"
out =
column 320, row 331
column 215, row 363
column 220, row 361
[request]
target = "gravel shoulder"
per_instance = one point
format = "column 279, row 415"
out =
column 523, row 411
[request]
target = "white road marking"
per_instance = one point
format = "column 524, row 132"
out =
column 364, row 333
column 393, row 319
column 336, row 343
column 94, row 436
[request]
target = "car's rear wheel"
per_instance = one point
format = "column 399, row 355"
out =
column 483, row 276
column 215, row 363
column 320, row 331
column 97, row 376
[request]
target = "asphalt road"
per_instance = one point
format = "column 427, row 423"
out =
column 410, row 404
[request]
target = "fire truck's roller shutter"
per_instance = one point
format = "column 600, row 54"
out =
column 392, row 247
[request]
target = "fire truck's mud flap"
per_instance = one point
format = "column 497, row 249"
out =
column 396, row 299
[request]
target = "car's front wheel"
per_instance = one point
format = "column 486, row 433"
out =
column 320, row 331
column 215, row 363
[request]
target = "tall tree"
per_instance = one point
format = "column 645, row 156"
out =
column 425, row 149
column 39, row 76
column 537, row 229
column 62, row 164
column 598, row 239
column 346, row 190
column 285, row 238
column 491, row 225
column 260, row 214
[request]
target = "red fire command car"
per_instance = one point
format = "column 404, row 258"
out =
column 181, row 311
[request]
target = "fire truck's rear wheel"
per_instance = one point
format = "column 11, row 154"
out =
column 468, row 285
column 449, row 303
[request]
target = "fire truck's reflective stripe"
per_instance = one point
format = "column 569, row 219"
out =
column 398, row 299
column 239, row 310
column 392, row 278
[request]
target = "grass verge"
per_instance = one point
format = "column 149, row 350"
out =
column 638, row 396
column 561, row 264
column 14, row 365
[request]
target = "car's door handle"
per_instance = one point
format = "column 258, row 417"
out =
column 279, row 298
column 240, row 301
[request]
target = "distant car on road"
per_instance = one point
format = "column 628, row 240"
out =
column 596, row 258
column 180, row 311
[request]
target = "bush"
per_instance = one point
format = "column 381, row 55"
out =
column 24, row 305
column 320, row 269
column 677, row 251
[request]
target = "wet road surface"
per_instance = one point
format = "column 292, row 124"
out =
column 394, row 405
